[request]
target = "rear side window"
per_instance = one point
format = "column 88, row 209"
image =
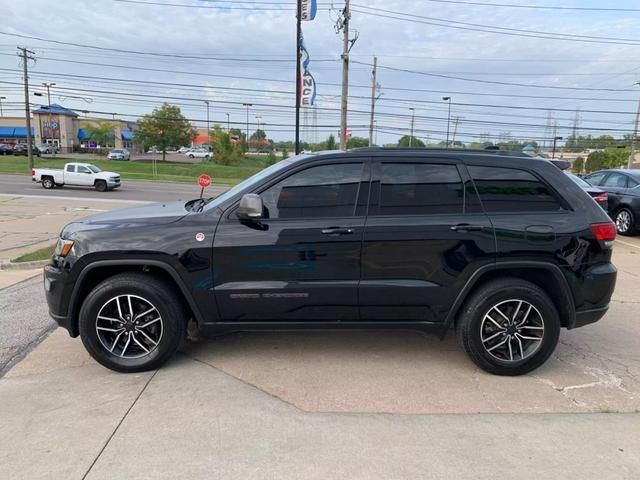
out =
column 616, row 180
column 511, row 190
column 420, row 189
column 71, row 168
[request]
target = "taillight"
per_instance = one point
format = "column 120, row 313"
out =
column 605, row 232
column 601, row 198
column 33, row 172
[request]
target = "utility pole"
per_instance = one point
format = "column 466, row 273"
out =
column 373, row 99
column 228, row 124
column 456, row 120
column 298, row 76
column 246, row 142
column 346, row 16
column 634, row 137
column 27, row 55
column 2, row 98
column 555, row 138
column 413, row 117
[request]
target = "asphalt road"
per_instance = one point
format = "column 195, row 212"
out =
column 144, row 191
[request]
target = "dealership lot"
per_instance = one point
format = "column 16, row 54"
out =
column 315, row 404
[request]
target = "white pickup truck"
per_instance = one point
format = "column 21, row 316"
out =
column 76, row 174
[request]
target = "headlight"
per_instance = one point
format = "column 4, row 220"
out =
column 63, row 247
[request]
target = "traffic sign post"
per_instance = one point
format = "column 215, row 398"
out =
column 204, row 181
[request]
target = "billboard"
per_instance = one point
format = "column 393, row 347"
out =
column 50, row 127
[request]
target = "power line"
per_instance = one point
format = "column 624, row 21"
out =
column 538, row 7
column 448, row 23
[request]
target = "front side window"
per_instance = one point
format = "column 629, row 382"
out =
column 511, row 190
column 596, row 178
column 82, row 169
column 420, row 189
column 322, row 191
column 94, row 169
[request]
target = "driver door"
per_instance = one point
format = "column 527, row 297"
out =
column 301, row 262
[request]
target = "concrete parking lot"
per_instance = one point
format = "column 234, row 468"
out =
column 325, row 405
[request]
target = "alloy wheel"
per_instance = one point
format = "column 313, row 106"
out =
column 512, row 330
column 129, row 326
column 623, row 221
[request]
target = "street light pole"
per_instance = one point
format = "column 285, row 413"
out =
column 246, row 140
column 228, row 124
column 208, row 125
column 553, row 153
column 413, row 115
column 1, row 113
column 448, row 99
column 48, row 87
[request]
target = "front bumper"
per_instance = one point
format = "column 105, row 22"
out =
column 57, row 289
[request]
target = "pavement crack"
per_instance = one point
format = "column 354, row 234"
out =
column 115, row 430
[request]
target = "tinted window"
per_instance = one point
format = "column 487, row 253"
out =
column 82, row 169
column 596, row 178
column 420, row 189
column 322, row 191
column 631, row 182
column 71, row 168
column 511, row 190
column 616, row 180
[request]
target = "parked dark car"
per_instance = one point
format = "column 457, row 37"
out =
column 623, row 188
column 6, row 149
column 504, row 249
column 600, row 196
column 21, row 149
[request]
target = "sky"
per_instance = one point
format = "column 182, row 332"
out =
column 505, row 81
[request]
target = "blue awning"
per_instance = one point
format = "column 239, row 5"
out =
column 126, row 135
column 15, row 132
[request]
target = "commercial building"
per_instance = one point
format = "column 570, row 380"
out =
column 64, row 128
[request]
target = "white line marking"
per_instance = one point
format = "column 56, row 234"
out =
column 628, row 244
column 82, row 199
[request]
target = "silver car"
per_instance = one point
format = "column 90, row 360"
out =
column 119, row 154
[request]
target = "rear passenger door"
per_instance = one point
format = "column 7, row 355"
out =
column 425, row 234
column 616, row 187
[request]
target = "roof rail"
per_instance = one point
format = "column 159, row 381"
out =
column 508, row 153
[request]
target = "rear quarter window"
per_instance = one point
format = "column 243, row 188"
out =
column 512, row 190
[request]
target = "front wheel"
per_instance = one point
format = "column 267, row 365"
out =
column 191, row 156
column 509, row 327
column 101, row 185
column 625, row 222
column 132, row 323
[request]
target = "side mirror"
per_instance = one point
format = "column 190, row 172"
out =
column 250, row 207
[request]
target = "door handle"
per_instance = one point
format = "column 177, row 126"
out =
column 465, row 227
column 337, row 231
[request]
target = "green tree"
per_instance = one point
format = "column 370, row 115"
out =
column 224, row 152
column 609, row 158
column 164, row 127
column 578, row 165
column 409, row 141
column 101, row 133
column 331, row 143
column 285, row 153
column 357, row 142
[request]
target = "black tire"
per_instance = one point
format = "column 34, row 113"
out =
column 625, row 222
column 48, row 183
column 101, row 185
column 156, row 293
column 191, row 156
column 508, row 291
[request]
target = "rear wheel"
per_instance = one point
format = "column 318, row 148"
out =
column 47, row 182
column 132, row 323
column 101, row 185
column 625, row 222
column 509, row 327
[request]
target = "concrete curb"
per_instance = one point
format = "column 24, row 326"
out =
column 23, row 265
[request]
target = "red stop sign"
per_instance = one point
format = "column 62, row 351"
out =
column 204, row 180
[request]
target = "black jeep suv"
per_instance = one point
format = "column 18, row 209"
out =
column 505, row 249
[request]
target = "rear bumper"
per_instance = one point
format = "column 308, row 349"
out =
column 590, row 316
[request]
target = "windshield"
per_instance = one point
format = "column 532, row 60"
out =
column 220, row 199
column 580, row 182
column 94, row 169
